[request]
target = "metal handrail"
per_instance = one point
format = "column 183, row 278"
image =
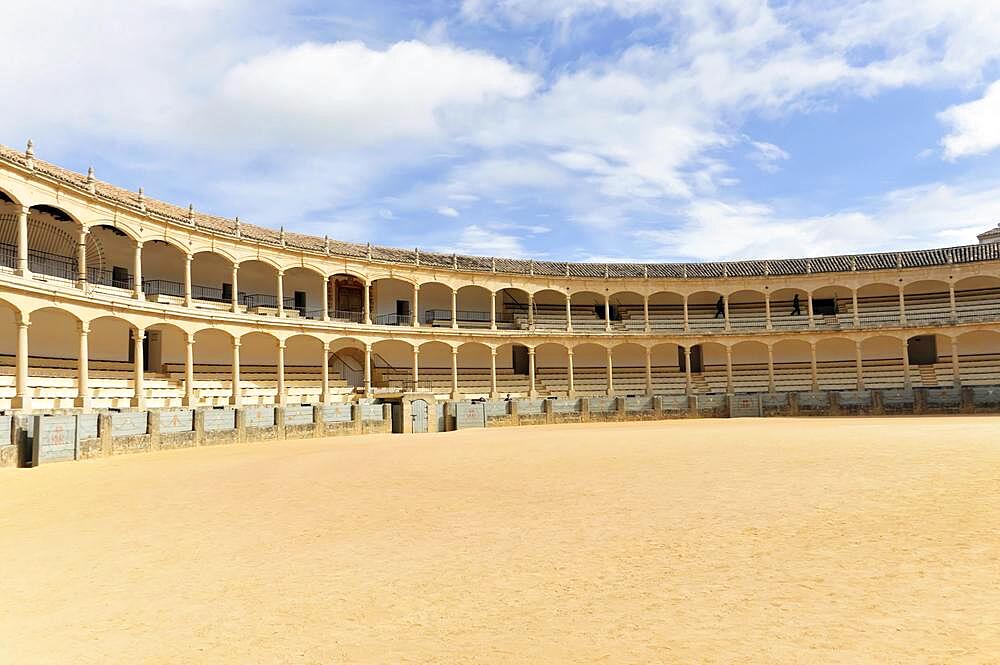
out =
column 394, row 320
column 107, row 278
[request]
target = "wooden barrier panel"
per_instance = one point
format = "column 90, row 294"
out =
column 54, row 439
column 298, row 414
column 258, row 416
column 745, row 405
column 371, row 412
column 565, row 406
column 217, row 420
column 86, row 426
column 337, row 413
column 470, row 415
column 175, row 421
column 129, row 423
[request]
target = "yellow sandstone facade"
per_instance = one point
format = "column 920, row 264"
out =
column 110, row 299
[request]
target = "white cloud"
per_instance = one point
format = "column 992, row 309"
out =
column 975, row 126
column 480, row 241
column 447, row 211
column 767, row 155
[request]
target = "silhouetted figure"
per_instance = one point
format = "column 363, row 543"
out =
column 720, row 308
column 796, row 306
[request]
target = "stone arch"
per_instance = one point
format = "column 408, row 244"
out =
column 587, row 310
column 627, row 310
column 629, row 368
column 977, row 298
column 979, row 355
column 784, row 314
column 703, row 310
column 882, row 361
column 435, row 303
column 163, row 265
column 792, row 365
column 747, row 309
column 211, row 276
column 393, row 298
column 474, row 369
column 304, row 291
column 512, row 307
column 346, row 293
column 750, row 370
column 590, row 368
column 836, row 363
column 473, row 302
column 927, row 301
column 878, row 304
column 550, row 309
column 666, row 311
column 166, row 348
column 258, row 284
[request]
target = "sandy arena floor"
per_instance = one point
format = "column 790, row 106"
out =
column 758, row 541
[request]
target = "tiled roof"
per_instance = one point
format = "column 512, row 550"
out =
column 250, row 232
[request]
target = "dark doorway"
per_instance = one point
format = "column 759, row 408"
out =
column 824, row 306
column 519, row 355
column 145, row 350
column 350, row 299
column 922, row 350
column 299, row 300
column 120, row 278
column 227, row 292
column 403, row 309
column 696, row 363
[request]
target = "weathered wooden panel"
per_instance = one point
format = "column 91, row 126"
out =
column 774, row 400
column 129, row 423
column 337, row 413
column 745, row 405
column 603, row 404
column 529, row 407
column 470, row 415
column 814, row 400
column 5, row 427
column 496, row 408
column 638, row 403
column 217, row 420
column 944, row 396
column 86, row 426
column 674, row 402
column 855, row 398
column 298, row 414
column 55, row 438
column 897, row 397
column 173, row 421
column 371, row 412
column 711, row 401
column 565, row 406
column 985, row 395
column 258, row 416
column 439, row 415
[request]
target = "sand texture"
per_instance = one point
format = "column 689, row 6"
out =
column 745, row 541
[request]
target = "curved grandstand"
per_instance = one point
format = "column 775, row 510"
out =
column 114, row 300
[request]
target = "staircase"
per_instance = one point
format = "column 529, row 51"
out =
column 698, row 384
column 928, row 376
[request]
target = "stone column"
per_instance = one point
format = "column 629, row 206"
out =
column 81, row 259
column 956, row 374
column 607, row 313
column 280, row 397
column 570, row 388
column 454, row 373
column 188, row 259
column 366, row 305
column 325, row 379
column 416, row 306
column 687, row 368
column 770, row 368
column 22, row 400
column 531, row 311
column 729, row 369
column 454, row 308
column 687, row 327
column 139, row 397
column 189, row 371
column 280, row 287
column 725, row 311
column 645, row 313
column 416, row 366
column 649, row 371
column 368, row 370
column 854, row 306
column 902, row 307
column 493, row 309
column 951, row 301
column 569, row 313
column 859, row 363
column 493, row 373
column 236, row 398
column 137, row 273
column 531, row 371
column 325, row 300
column 767, row 311
column 236, row 288
column 907, row 383
column 809, row 306
column 812, row 366
column 22, row 242
column 611, row 373
column 83, row 369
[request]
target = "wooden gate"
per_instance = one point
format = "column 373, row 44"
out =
column 419, row 416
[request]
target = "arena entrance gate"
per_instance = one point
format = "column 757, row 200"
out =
column 419, row 416
column 745, row 406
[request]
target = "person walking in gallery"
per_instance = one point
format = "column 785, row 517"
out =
column 720, row 308
column 796, row 306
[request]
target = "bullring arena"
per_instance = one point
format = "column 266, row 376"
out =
column 784, row 460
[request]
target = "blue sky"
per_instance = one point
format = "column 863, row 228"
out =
column 555, row 129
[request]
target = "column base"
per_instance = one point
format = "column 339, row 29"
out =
column 83, row 402
column 22, row 272
column 138, row 296
column 455, row 395
column 20, row 402
column 138, row 402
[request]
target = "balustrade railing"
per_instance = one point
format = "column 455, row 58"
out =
column 461, row 315
column 394, row 320
column 156, row 287
column 109, row 278
column 347, row 315
column 53, row 265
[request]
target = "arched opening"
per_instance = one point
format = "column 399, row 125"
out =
column 434, row 368
column 53, row 358
column 53, row 243
column 929, row 360
column 882, row 362
column 978, row 357
column 666, row 311
column 258, row 284
column 750, row 371
column 347, row 363
column 551, row 371
column 550, row 310
column 213, row 367
column 836, row 364
column 512, row 309
column 258, row 368
column 792, row 365
column 587, row 310
column 927, row 302
column 393, row 365
column 626, row 311
column 832, row 306
column 706, row 311
column 211, row 280
column 163, row 271
column 590, row 369
column 164, row 351
column 393, row 302
column 789, row 309
column 10, row 209
column 628, row 363
column 474, row 370
column 435, row 303
column 303, row 292
column 346, row 295
column 713, row 378
column 473, row 307
column 304, row 369
column 9, row 319
column 110, row 257
column 977, row 298
column 878, row 305
column 669, row 377
column 747, row 310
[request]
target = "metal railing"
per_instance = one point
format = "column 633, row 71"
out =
column 53, row 265
column 8, row 255
column 162, row 287
column 108, row 278
column 346, row 315
column 394, row 320
column 432, row 315
column 252, row 300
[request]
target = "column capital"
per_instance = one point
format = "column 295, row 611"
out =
column 326, row 347
column 236, row 343
column 454, row 351
column 24, row 210
column 493, row 352
column 83, row 328
column 531, row 350
column 280, row 272
column 569, row 352
column 281, row 346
